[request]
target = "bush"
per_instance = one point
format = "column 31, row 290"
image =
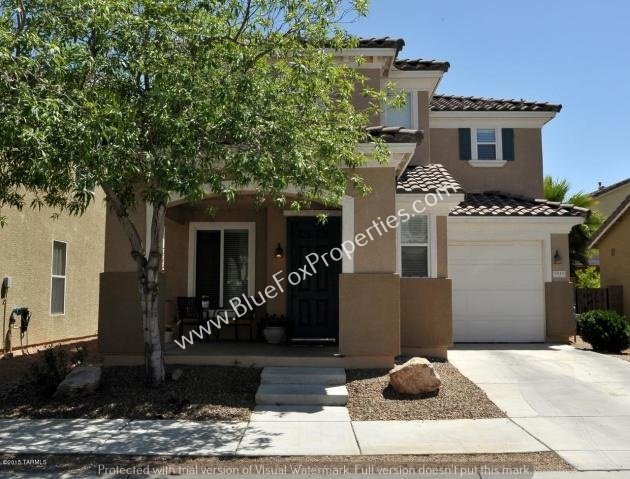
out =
column 49, row 371
column 606, row 331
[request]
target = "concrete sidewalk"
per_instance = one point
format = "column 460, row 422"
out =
column 287, row 436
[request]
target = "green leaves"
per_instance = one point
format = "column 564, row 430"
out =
column 168, row 97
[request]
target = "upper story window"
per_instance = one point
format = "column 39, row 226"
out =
column 58, row 281
column 487, row 144
column 414, row 247
column 402, row 116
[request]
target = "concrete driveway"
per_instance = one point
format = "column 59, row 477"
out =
column 575, row 402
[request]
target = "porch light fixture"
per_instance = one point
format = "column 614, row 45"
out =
column 557, row 259
column 279, row 253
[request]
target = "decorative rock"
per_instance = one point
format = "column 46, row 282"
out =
column 175, row 375
column 82, row 380
column 414, row 377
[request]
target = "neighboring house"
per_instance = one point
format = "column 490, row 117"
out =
column 613, row 241
column 54, row 267
column 610, row 197
column 487, row 262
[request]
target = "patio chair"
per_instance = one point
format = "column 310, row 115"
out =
column 247, row 319
column 188, row 312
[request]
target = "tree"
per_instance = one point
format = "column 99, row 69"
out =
column 557, row 190
column 588, row 278
column 154, row 98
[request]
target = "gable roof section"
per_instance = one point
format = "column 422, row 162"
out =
column 427, row 179
column 608, row 189
column 471, row 103
column 421, row 64
column 395, row 134
column 382, row 42
column 616, row 215
column 502, row 204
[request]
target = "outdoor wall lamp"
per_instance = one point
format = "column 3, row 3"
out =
column 557, row 259
column 279, row 253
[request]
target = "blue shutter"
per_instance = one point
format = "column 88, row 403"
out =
column 465, row 152
column 507, row 136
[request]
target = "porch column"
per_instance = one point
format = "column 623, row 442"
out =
column 347, row 230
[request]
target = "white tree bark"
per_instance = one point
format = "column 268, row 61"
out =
column 148, row 269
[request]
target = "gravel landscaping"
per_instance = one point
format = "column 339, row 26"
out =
column 370, row 398
column 83, row 465
column 202, row 393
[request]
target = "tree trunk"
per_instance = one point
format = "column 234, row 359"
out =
column 149, row 300
column 148, row 260
column 148, row 283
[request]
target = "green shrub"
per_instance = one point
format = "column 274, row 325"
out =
column 606, row 331
column 49, row 371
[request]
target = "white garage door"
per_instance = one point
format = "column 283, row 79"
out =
column 498, row 291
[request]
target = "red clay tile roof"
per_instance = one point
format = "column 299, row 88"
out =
column 610, row 221
column 501, row 204
column 395, row 134
column 606, row 189
column 471, row 103
column 427, row 179
column 382, row 42
column 421, row 64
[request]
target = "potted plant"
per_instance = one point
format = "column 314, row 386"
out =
column 205, row 302
column 274, row 328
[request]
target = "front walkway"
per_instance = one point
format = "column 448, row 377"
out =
column 575, row 402
column 264, row 436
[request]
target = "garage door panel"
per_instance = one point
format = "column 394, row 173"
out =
column 493, row 331
column 502, row 277
column 487, row 303
column 506, row 252
column 498, row 291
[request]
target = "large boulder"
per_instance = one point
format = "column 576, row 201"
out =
column 82, row 380
column 414, row 377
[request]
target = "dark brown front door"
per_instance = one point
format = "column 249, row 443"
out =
column 313, row 304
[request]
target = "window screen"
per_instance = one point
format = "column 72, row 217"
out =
column 235, row 263
column 486, row 144
column 414, row 248
column 400, row 116
column 58, row 284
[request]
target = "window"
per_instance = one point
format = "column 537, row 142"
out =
column 487, row 144
column 414, row 247
column 223, row 262
column 402, row 116
column 58, row 284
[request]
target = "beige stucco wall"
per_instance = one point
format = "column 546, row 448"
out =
column 523, row 176
column 359, row 100
column 369, row 315
column 422, row 155
column 442, row 246
column 614, row 257
column 26, row 255
column 560, row 243
column 608, row 202
column 560, row 320
column 426, row 316
column 379, row 255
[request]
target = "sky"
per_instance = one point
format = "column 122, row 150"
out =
column 576, row 53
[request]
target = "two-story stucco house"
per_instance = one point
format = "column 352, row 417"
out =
column 480, row 257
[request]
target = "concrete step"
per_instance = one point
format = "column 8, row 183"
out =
column 294, row 375
column 290, row 394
